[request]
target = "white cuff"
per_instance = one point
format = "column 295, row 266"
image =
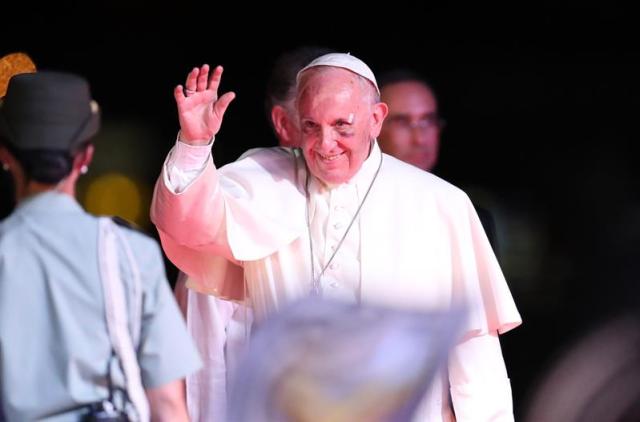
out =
column 480, row 387
column 486, row 402
column 184, row 164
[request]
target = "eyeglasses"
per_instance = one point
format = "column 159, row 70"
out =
column 424, row 123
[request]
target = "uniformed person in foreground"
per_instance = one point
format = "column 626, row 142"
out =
column 58, row 357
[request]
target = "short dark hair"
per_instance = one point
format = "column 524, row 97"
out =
column 48, row 166
column 398, row 75
column 281, row 84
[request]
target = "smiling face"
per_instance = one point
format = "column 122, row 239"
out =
column 338, row 118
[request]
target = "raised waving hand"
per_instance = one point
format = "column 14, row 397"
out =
column 200, row 110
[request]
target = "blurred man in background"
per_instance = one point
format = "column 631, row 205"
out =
column 411, row 132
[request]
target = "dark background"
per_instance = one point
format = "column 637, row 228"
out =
column 541, row 107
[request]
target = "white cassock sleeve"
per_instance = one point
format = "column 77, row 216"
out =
column 184, row 165
column 480, row 388
column 207, row 219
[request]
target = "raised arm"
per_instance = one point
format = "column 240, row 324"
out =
column 187, row 207
column 193, row 216
column 207, row 218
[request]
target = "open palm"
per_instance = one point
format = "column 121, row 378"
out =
column 200, row 110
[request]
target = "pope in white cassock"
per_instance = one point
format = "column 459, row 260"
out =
column 337, row 218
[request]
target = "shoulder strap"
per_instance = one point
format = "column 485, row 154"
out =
column 116, row 313
column 135, row 310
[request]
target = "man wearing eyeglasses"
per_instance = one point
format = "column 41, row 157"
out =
column 411, row 131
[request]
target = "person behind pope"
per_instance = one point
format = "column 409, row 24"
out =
column 339, row 219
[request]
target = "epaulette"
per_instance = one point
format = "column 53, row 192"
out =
column 128, row 224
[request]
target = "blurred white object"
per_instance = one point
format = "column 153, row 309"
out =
column 322, row 360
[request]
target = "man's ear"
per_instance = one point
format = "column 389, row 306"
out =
column 380, row 111
column 282, row 124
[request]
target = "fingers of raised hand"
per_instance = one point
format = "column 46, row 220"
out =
column 216, row 76
column 178, row 94
column 203, row 75
column 191, row 83
column 223, row 102
column 199, row 79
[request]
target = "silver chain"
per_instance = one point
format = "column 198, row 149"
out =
column 315, row 282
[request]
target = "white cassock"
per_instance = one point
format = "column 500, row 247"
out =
column 254, row 226
column 220, row 329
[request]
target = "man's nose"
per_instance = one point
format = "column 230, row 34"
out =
column 419, row 136
column 328, row 139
